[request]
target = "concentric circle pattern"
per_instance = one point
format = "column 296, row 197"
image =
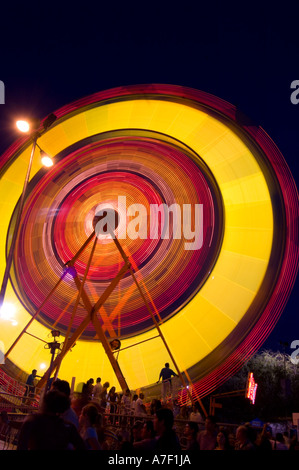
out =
column 216, row 271
column 118, row 172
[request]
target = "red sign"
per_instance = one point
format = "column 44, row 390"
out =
column 251, row 388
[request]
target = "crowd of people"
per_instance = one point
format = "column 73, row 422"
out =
column 98, row 418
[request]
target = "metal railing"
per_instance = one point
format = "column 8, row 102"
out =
column 10, row 385
column 17, row 402
column 14, row 394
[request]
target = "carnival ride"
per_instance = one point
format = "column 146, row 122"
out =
column 203, row 295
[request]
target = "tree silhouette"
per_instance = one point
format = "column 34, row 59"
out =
column 277, row 393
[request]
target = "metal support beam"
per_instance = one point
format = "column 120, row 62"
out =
column 92, row 317
column 17, row 223
column 33, row 318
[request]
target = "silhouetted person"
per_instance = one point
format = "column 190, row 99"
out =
column 207, row 438
column 148, row 441
column 242, row 439
column 155, row 405
column 87, row 389
column 167, row 441
column 140, row 409
column 263, row 441
column 89, row 421
column 46, row 430
column 112, row 399
column 166, row 374
column 136, row 432
column 70, row 414
column 223, row 441
column 97, row 390
column 104, row 396
column 279, row 443
column 190, row 432
column 30, row 384
column 195, row 414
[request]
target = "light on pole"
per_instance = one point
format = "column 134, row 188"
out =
column 25, row 127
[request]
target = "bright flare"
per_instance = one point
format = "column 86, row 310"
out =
column 7, row 312
column 47, row 161
column 23, row 126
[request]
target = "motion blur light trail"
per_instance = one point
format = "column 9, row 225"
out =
column 153, row 144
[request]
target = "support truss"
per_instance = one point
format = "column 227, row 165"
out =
column 91, row 316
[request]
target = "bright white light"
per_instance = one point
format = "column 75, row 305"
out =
column 23, row 126
column 7, row 313
column 43, row 366
column 47, row 161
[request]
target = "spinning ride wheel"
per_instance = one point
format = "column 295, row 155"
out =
column 207, row 209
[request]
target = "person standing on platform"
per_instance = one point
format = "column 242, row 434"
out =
column 166, row 374
column 30, row 384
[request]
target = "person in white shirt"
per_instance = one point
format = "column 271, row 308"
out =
column 97, row 390
column 140, row 408
column 125, row 406
column 126, row 402
column 133, row 404
column 195, row 415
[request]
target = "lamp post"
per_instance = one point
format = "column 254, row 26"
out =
column 23, row 126
column 53, row 346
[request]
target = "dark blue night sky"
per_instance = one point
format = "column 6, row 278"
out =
column 52, row 54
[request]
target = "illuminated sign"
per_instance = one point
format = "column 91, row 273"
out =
column 251, row 388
